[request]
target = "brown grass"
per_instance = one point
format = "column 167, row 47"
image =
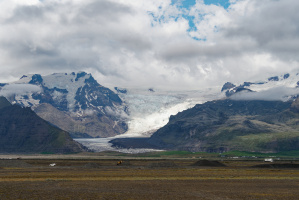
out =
column 72, row 179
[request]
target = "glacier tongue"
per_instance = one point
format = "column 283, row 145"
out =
column 151, row 111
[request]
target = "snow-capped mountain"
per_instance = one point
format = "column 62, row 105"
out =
column 75, row 102
column 70, row 92
column 283, row 87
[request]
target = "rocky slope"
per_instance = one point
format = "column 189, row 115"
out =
column 223, row 125
column 22, row 131
column 74, row 102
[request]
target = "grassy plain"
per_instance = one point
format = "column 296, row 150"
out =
column 144, row 178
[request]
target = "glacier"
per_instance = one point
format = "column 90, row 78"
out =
column 150, row 111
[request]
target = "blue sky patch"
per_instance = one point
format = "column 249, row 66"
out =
column 224, row 3
column 188, row 3
column 184, row 3
column 186, row 6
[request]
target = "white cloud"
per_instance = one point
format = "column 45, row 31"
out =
column 18, row 89
column 274, row 94
column 120, row 114
column 147, row 43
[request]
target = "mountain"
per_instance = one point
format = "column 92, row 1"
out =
column 223, row 125
column 262, row 123
column 74, row 102
column 283, row 81
column 22, row 131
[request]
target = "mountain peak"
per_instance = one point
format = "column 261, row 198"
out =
column 36, row 79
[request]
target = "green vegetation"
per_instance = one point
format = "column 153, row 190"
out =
column 284, row 154
column 275, row 141
column 205, row 155
column 168, row 154
column 187, row 154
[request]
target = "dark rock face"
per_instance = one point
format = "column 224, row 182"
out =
column 22, row 131
column 47, row 97
column 227, row 86
column 105, row 97
column 36, row 79
column 222, row 125
column 274, row 78
column 231, row 89
column 79, row 75
column 286, row 76
column 121, row 90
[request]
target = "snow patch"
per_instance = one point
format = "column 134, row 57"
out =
column 66, row 81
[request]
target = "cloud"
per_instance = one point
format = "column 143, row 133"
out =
column 150, row 43
column 274, row 94
column 18, row 89
column 120, row 114
column 270, row 24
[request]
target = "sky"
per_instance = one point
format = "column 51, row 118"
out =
column 167, row 44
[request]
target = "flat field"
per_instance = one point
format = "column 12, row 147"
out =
column 146, row 179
